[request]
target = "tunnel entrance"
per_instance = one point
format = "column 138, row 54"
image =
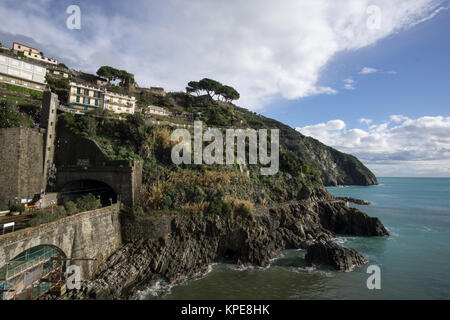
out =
column 77, row 189
column 32, row 273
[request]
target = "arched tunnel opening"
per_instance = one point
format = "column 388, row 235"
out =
column 32, row 273
column 77, row 189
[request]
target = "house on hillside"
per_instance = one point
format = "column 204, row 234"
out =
column 3, row 48
column 83, row 97
column 119, row 103
column 157, row 111
column 23, row 74
column 32, row 53
column 58, row 72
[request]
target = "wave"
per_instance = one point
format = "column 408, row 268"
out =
column 162, row 288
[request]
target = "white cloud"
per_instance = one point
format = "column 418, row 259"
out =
column 400, row 146
column 367, row 70
column 366, row 121
column 264, row 48
column 349, row 84
column 398, row 118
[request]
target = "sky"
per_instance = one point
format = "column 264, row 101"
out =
column 368, row 77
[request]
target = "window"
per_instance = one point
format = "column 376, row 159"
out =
column 78, row 99
column 79, row 90
column 96, row 102
column 86, row 92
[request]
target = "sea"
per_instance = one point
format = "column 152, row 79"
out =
column 414, row 262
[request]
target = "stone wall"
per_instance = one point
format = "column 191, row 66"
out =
column 91, row 234
column 21, row 162
column 78, row 158
column 50, row 104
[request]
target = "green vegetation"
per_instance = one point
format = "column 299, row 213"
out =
column 112, row 74
column 60, row 86
column 47, row 216
column 62, row 65
column 213, row 88
column 70, row 207
column 17, row 208
column 11, row 115
column 4, row 207
column 25, row 91
column 85, row 203
column 88, row 202
column 119, row 140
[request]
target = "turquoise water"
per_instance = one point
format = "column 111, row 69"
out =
column 414, row 261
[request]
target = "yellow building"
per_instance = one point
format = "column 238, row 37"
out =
column 32, row 53
column 84, row 98
column 119, row 103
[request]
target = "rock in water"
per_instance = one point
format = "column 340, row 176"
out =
column 332, row 254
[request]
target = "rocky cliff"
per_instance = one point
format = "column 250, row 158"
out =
column 337, row 168
column 172, row 247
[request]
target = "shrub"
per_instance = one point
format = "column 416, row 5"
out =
column 220, row 208
column 195, row 208
column 88, row 202
column 137, row 211
column 243, row 208
column 17, row 208
column 46, row 216
column 70, row 207
column 3, row 207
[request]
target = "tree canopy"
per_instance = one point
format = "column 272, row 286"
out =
column 213, row 88
column 113, row 74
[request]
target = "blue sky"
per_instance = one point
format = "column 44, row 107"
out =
column 421, row 85
column 298, row 61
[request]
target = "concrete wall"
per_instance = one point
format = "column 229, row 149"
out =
column 91, row 234
column 21, row 161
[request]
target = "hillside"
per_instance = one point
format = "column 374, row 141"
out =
column 336, row 168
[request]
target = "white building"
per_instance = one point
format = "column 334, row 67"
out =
column 23, row 74
column 85, row 98
column 119, row 103
column 158, row 111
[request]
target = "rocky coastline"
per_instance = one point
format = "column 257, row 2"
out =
column 354, row 200
column 171, row 248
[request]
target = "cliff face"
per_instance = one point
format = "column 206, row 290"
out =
column 337, row 168
column 171, row 248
